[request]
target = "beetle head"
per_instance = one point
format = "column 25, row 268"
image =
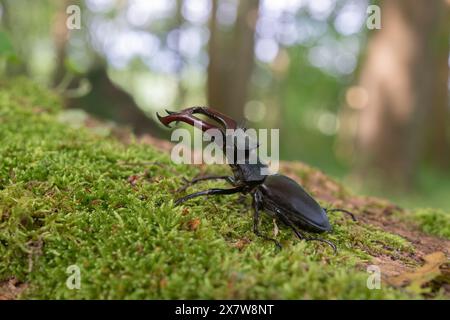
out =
column 241, row 140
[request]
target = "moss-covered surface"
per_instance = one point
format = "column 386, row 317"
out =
column 69, row 196
column 432, row 221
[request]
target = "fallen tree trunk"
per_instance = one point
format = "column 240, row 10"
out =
column 79, row 197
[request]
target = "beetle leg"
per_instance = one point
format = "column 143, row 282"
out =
column 205, row 178
column 331, row 244
column 303, row 237
column 341, row 210
column 209, row 192
column 256, row 206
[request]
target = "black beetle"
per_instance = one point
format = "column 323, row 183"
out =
column 278, row 195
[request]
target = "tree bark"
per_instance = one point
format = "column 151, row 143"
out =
column 439, row 119
column 60, row 34
column 405, row 77
column 181, row 90
column 231, row 60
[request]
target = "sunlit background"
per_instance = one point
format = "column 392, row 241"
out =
column 309, row 67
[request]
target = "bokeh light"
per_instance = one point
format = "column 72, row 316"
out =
column 357, row 97
column 255, row 111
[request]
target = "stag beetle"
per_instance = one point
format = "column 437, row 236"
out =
column 278, row 195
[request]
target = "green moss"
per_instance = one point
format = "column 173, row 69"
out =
column 66, row 198
column 432, row 221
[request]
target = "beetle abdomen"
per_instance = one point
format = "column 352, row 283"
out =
column 284, row 194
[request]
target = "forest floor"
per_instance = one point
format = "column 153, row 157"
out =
column 85, row 194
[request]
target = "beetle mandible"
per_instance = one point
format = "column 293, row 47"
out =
column 277, row 195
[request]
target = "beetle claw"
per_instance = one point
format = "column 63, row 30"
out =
column 161, row 119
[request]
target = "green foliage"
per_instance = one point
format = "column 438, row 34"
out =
column 6, row 47
column 69, row 196
column 308, row 92
column 7, row 52
column 433, row 221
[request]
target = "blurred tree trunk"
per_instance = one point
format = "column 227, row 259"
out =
column 105, row 100
column 405, row 76
column 178, row 24
column 439, row 121
column 60, row 34
column 231, row 59
column 108, row 101
column 7, row 19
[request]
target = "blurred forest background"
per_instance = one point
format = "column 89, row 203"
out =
column 367, row 106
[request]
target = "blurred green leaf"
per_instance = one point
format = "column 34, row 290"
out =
column 7, row 49
column 72, row 67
